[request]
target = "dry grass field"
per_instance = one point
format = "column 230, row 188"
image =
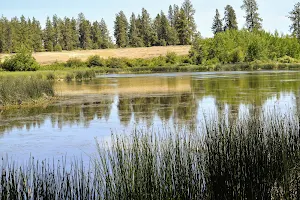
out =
column 145, row 52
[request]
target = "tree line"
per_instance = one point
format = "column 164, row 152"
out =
column 176, row 27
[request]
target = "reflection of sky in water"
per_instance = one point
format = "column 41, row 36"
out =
column 55, row 139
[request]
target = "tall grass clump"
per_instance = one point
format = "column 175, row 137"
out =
column 16, row 90
column 254, row 157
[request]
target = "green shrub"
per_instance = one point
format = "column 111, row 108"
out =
column 286, row 59
column 22, row 61
column 95, row 61
column 171, row 58
column 115, row 63
column 58, row 48
column 75, row 63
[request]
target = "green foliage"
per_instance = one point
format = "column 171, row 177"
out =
column 172, row 58
column 217, row 26
column 22, row 61
column 96, row 60
column 57, row 48
column 115, row 63
column 287, row 59
column 294, row 16
column 253, row 21
column 75, row 63
column 233, row 46
column 120, row 30
column 230, row 19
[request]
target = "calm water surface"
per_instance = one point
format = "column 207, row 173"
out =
column 118, row 103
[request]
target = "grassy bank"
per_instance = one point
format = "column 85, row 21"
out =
column 252, row 158
column 19, row 90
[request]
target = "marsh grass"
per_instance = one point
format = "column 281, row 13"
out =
column 17, row 90
column 252, row 158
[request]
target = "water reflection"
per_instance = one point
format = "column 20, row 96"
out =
column 94, row 108
column 141, row 99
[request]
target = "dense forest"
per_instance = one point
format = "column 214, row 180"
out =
column 178, row 27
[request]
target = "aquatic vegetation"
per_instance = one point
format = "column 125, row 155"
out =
column 16, row 90
column 253, row 157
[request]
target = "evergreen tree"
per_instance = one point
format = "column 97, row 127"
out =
column 57, row 32
column 23, row 32
column 106, row 40
column 84, row 32
column 295, row 18
column 171, row 16
column 67, row 35
column 74, row 34
column 133, row 35
column 121, row 27
column 96, row 35
column 48, row 35
column 37, row 35
column 253, row 21
column 182, row 28
column 217, row 26
column 189, row 11
column 230, row 18
column 147, row 33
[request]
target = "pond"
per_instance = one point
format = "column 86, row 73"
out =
column 118, row 103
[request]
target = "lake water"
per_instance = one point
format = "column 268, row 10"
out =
column 119, row 103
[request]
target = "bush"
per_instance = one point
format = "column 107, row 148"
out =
column 95, row 61
column 286, row 59
column 115, row 63
column 58, row 48
column 74, row 63
column 172, row 58
column 22, row 61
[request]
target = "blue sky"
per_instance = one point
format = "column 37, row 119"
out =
column 273, row 12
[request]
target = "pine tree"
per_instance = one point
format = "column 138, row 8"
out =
column 146, row 28
column 84, row 32
column 182, row 28
column 96, row 35
column 57, row 33
column 121, row 28
column 23, row 38
column 230, row 18
column 36, row 35
column 106, row 39
column 217, row 26
column 253, row 21
column 67, row 35
column 171, row 16
column 295, row 18
column 74, row 34
column 48, row 35
column 189, row 11
column 133, row 35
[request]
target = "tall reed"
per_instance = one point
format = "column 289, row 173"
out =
column 16, row 90
column 254, row 157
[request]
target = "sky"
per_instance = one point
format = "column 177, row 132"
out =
column 273, row 12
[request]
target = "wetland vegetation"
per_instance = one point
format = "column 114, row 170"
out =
column 254, row 157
